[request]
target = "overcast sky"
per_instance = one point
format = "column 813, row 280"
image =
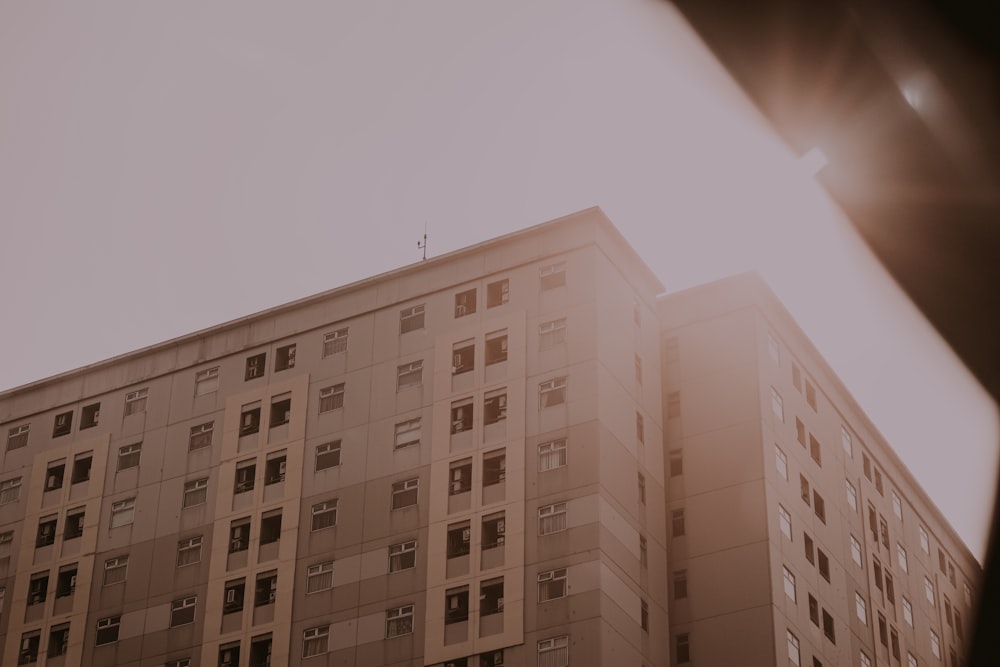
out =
column 165, row 167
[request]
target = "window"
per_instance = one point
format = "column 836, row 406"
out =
column 677, row 523
column 552, row 585
column 409, row 375
column 411, row 319
column 275, row 468
column 551, row 518
column 552, row 455
column 250, row 419
column 107, row 630
column 399, row 621
column 90, row 415
column 813, row 610
column 804, row 490
column 491, row 659
column 281, row 410
column 319, row 577
column 925, row 543
column 461, row 416
column 407, row 433
column 229, row 654
column 284, row 358
column 38, row 588
column 554, row 652
column 793, row 648
column 239, row 535
column 814, row 449
column 28, row 653
column 777, row 406
column 182, row 611
column 235, row 591
column 195, row 492
column 255, row 366
column 465, row 303
column 907, row 612
column 852, row 495
column 331, row 398
column 865, row 660
column 122, row 512
column 676, row 458
column 855, row 551
column 929, row 591
column 643, row 552
column 402, row 556
column 873, row 523
column 866, row 464
column 495, row 406
column 463, row 357
column 498, row 293
column 201, row 436
column 811, row 395
column 897, row 505
column 644, row 615
column 846, row 442
column 781, row 462
column 828, row 627
column 773, row 350
column 334, row 342
column 135, row 402
column 951, row 573
column 58, row 640
column 681, row 584
column 246, row 475
column 551, row 333
column 638, row 369
column 459, row 539
column 17, row 437
column 324, row 515
column 552, row 276
column 884, row 530
column 789, row 583
column 552, row 392
column 674, row 405
column 270, row 527
column 641, row 484
column 819, row 506
column 496, row 347
column 74, row 523
column 640, row 428
column 491, row 597
column 10, row 490
column 494, row 467
column 315, row 641
column 206, row 381
column 266, row 590
column 328, row 455
column 404, row 493
column 63, row 424
column 861, row 608
column 189, row 551
column 460, row 474
column 935, row 645
column 800, row 431
column 809, row 548
column 968, row 594
column 65, row 581
column 128, row 456
column 911, row 660
column 823, row 563
column 785, row 522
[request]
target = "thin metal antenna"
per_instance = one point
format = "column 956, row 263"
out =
column 423, row 246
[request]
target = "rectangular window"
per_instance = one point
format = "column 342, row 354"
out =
column 856, row 551
column 785, row 522
column 229, row 654
column 463, row 357
column 250, row 419
column 28, row 653
column 866, row 465
column 640, row 428
column 811, row 395
column 638, row 369
column 495, row 406
column 861, row 608
column 460, row 474
column 189, row 551
column 641, row 485
column 865, row 660
column 494, row 532
column 804, row 490
column 281, row 410
column 403, row 556
column 284, row 358
column 911, row 660
column 63, row 424
column 324, row 515
column 270, row 526
column 491, row 597
column 65, row 581
column 935, row 645
column 266, row 589
column 554, row 652
column 552, row 455
column 494, row 467
column 107, row 630
column 901, row 558
column 206, row 381
column 828, row 627
column 793, row 648
column 644, row 615
column 10, row 490
column 552, row 392
column 275, row 468
column 643, row 552
column 399, row 621
column 239, row 535
column 315, row 641
column 897, row 505
column 122, row 512
column 671, row 349
column 929, row 591
column 878, row 481
column 552, row 518
column 17, row 437
column 411, row 319
column 115, row 570
column 465, row 303
column 90, row 415
column 461, row 416
column 407, row 433
column 498, row 293
column 182, row 611
column 551, row 333
column 331, row 398
column 777, row 405
column 233, row 594
column 852, row 495
column 819, row 506
column 38, row 588
column 135, row 402
column 681, row 584
column 823, row 563
column 552, row 276
column 846, row 442
column 814, row 450
column 327, row 455
column 674, row 405
column 809, row 548
column 813, row 610
column 334, row 342
column 74, row 523
column 789, row 579
column 884, row 530
column 925, row 543
column 404, row 493
column 58, row 640
column 678, row 529
column 246, row 476
column 676, row 458
column 459, row 539
column 496, row 347
column 201, row 436
column 800, row 431
column 256, row 365
column 409, row 375
column 128, row 456
column 195, row 492
column 781, row 462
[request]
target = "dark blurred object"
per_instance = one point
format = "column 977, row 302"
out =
column 904, row 100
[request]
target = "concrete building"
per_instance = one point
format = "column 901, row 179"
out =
column 458, row 462
column 798, row 537
column 461, row 462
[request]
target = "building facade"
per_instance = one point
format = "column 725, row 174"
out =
column 519, row 453
column 458, row 462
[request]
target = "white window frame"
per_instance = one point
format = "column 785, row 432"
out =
column 550, row 390
column 115, row 570
column 327, row 508
column 10, row 490
column 861, row 608
column 553, row 652
column 407, row 433
column 789, row 583
column 935, row 645
column 201, row 436
column 399, row 621
column 335, row 342
column 865, row 660
column 331, row 398
column 195, row 492
column 897, row 504
column 785, row 522
column 408, row 319
column 410, row 375
column 190, row 545
column 122, row 512
column 793, row 648
column 781, row 462
column 107, row 623
column 907, row 611
column 901, row 558
column 911, row 660
column 319, row 577
column 929, row 591
column 856, row 551
column 846, row 441
column 315, row 641
column 925, row 542
column 181, row 606
column 135, row 401
column 777, row 405
column 403, row 488
column 552, row 581
column 206, row 381
column 125, row 455
column 330, row 450
column 398, row 553
column 17, row 437
column 551, row 333
column 852, row 495
column 552, row 455
column 552, row 519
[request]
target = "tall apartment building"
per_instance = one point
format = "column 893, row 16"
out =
column 459, row 462
column 798, row 537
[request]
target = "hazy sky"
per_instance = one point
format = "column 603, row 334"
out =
column 165, row 167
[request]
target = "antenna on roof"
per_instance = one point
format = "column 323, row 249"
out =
column 423, row 245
